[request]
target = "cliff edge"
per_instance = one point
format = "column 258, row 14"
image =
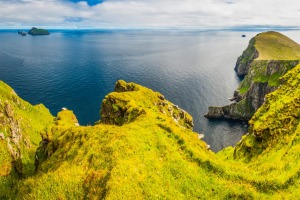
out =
column 268, row 56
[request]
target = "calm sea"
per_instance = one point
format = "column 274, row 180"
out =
column 76, row 69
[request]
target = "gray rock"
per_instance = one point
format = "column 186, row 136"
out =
column 243, row 62
column 215, row 112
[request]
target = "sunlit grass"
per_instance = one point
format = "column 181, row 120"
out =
column 276, row 46
column 155, row 156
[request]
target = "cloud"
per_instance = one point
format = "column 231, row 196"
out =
column 149, row 13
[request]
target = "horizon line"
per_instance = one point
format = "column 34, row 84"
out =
column 240, row 28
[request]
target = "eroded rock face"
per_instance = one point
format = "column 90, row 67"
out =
column 16, row 138
column 177, row 114
column 118, row 111
column 243, row 62
column 215, row 112
column 233, row 111
column 122, row 86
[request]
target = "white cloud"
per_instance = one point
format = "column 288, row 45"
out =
column 150, row 13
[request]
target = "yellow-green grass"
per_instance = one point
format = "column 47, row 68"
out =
column 276, row 46
column 152, row 156
column 26, row 121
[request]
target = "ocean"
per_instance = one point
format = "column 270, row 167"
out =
column 77, row 68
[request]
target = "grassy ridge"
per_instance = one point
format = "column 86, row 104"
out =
column 276, row 46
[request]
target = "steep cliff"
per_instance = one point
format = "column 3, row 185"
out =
column 244, row 61
column 276, row 124
column 268, row 56
column 20, row 127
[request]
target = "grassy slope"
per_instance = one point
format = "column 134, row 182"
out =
column 20, row 123
column 276, row 46
column 274, row 137
column 152, row 156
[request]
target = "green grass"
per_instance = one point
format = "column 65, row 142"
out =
column 155, row 155
column 19, row 119
column 276, row 46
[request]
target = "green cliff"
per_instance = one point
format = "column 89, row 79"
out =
column 144, row 148
column 20, row 127
column 268, row 56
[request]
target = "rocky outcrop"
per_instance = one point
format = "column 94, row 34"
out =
column 243, row 62
column 261, row 78
column 122, row 86
column 237, row 111
column 179, row 115
column 119, row 107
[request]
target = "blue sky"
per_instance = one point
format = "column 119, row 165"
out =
column 90, row 2
column 195, row 14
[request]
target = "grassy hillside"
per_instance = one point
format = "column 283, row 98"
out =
column 276, row 46
column 20, row 126
column 144, row 148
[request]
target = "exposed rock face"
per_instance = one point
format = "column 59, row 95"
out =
column 18, row 138
column 232, row 111
column 178, row 115
column 122, row 86
column 243, row 62
column 261, row 78
column 276, row 121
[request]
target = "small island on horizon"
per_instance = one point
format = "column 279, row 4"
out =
column 38, row 31
column 34, row 31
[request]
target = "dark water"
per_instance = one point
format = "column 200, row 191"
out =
column 76, row 69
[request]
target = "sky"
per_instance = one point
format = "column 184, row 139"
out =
column 195, row 14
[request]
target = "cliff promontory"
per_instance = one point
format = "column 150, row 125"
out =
column 268, row 56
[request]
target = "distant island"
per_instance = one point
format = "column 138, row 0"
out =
column 23, row 33
column 38, row 31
